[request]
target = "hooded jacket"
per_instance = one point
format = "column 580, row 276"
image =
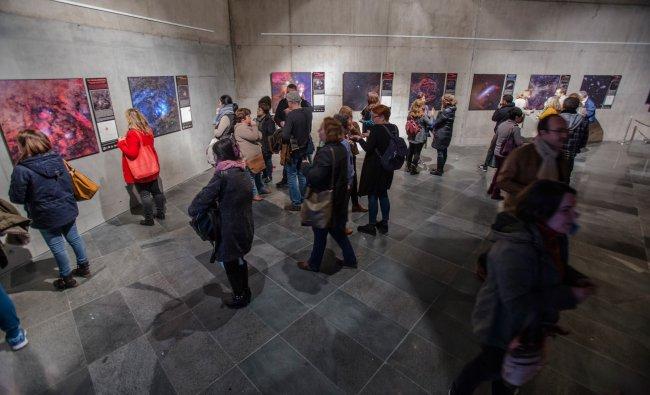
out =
column 443, row 127
column 524, row 288
column 42, row 183
column 578, row 126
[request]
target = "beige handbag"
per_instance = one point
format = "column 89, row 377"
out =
column 316, row 210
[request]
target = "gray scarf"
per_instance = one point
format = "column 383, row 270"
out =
column 548, row 169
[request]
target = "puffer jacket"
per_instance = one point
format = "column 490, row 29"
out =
column 443, row 127
column 249, row 139
column 578, row 126
column 524, row 287
column 42, row 183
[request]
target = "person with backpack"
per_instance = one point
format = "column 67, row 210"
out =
column 529, row 282
column 385, row 153
column 139, row 139
column 331, row 172
column 578, row 126
column 442, row 130
column 248, row 138
column 230, row 192
column 508, row 138
column 224, row 121
column 417, row 125
column 41, row 182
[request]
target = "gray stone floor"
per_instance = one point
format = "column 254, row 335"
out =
column 151, row 319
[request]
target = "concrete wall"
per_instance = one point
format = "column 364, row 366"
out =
column 32, row 47
column 256, row 56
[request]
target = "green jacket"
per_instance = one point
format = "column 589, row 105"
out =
column 10, row 217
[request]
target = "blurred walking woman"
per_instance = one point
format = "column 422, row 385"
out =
column 230, row 189
column 529, row 282
column 42, row 183
column 138, row 137
column 442, row 130
column 330, row 172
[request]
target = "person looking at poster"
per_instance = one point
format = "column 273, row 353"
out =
column 296, row 136
column 500, row 115
column 280, row 118
column 595, row 131
column 366, row 118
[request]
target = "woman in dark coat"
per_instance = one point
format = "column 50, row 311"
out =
column 330, row 172
column 42, row 183
column 375, row 181
column 442, row 131
column 529, row 282
column 231, row 190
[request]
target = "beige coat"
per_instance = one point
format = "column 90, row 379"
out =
column 249, row 139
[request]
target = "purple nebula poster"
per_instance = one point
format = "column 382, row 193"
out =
column 280, row 80
column 356, row 87
column 58, row 107
column 541, row 88
column 155, row 97
column 431, row 84
column 486, row 91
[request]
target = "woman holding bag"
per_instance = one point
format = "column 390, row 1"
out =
column 140, row 165
column 249, row 138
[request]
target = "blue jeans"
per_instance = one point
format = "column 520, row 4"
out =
column 54, row 239
column 297, row 181
column 373, row 202
column 9, row 321
column 320, row 242
column 256, row 179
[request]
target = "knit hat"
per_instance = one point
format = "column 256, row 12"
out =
column 293, row 97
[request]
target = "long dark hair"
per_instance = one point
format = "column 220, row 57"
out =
column 540, row 200
column 226, row 149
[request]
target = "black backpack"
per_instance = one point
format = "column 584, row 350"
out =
column 395, row 154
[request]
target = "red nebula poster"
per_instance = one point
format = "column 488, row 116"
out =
column 280, row 80
column 58, row 107
column 431, row 85
column 486, row 91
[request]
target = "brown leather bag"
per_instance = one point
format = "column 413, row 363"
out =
column 285, row 154
column 83, row 187
column 256, row 164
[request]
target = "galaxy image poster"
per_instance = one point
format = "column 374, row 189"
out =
column 356, row 86
column 541, row 86
column 431, row 84
column 280, row 80
column 318, row 89
column 102, row 106
column 509, row 87
column 57, row 107
column 486, row 91
column 598, row 88
column 450, row 85
column 155, row 97
column 183, row 92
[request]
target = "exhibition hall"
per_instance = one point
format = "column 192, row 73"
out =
column 325, row 197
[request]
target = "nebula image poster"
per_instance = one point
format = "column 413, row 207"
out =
column 431, row 84
column 155, row 97
column 356, row 87
column 486, row 91
column 596, row 87
column 280, row 80
column 541, row 87
column 57, row 107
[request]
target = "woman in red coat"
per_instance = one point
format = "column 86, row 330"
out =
column 140, row 134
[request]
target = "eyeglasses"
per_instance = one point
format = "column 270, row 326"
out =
column 561, row 131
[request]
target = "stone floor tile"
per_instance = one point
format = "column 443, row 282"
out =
column 272, row 304
column 239, row 332
column 549, row 381
column 281, row 238
column 408, row 280
column 449, row 334
column 131, row 369
column 449, row 244
column 100, row 283
column 466, row 281
column 104, row 325
column 233, row 382
column 362, row 323
column 263, row 255
column 109, row 237
column 152, row 301
column 389, row 381
column 54, row 352
column 431, row 265
column 344, row 361
column 427, row 365
column 389, row 300
column 35, row 306
column 309, row 287
column 78, row 383
column 277, row 368
column 188, row 354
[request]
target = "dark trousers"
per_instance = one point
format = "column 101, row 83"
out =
column 354, row 193
column 485, row 367
column 268, row 171
column 413, row 156
column 442, row 158
column 320, row 242
column 494, row 190
column 237, row 272
column 374, row 201
column 490, row 153
column 151, row 194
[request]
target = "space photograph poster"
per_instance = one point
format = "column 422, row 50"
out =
column 155, row 97
column 432, row 85
column 543, row 86
column 486, row 91
column 57, row 107
column 280, row 80
column 356, row 86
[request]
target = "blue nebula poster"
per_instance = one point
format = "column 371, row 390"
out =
column 156, row 99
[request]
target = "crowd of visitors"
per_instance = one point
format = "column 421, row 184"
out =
column 527, row 276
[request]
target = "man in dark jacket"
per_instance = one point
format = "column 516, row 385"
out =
column 500, row 115
column 280, row 118
column 578, row 126
column 296, row 133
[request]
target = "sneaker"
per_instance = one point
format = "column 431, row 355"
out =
column 147, row 222
column 382, row 227
column 82, row 271
column 291, row 207
column 482, row 168
column 65, row 282
column 19, row 341
column 368, row 229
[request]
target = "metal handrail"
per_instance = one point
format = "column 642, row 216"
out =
column 635, row 129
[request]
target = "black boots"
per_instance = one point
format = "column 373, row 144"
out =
column 382, row 227
column 65, row 282
column 238, row 278
column 438, row 171
column 368, row 229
